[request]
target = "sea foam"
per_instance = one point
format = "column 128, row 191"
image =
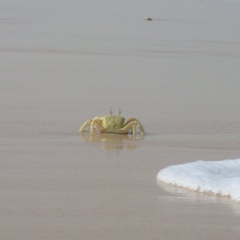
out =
column 218, row 177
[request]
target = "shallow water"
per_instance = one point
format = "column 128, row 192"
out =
column 65, row 62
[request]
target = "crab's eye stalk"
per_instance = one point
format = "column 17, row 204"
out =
column 111, row 110
column 119, row 111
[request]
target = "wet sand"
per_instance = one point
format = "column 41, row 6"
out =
column 64, row 63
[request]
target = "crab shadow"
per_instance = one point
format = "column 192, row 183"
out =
column 112, row 141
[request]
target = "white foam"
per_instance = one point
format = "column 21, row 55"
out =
column 218, row 177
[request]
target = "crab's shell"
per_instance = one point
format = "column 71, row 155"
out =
column 112, row 123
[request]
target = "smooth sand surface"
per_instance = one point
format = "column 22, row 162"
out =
column 63, row 62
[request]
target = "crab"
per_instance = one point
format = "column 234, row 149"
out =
column 113, row 124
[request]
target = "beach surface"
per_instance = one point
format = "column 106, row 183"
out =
column 63, row 62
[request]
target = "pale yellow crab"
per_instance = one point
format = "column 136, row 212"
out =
column 113, row 124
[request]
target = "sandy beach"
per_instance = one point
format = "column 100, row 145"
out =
column 63, row 62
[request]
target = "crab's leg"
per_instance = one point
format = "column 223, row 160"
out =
column 126, row 128
column 140, row 127
column 136, row 123
column 129, row 126
column 134, row 130
column 96, row 124
column 85, row 125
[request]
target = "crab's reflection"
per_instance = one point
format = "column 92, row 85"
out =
column 113, row 141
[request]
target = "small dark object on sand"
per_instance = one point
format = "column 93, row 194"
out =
column 148, row 19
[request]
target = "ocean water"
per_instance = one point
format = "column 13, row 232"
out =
column 216, row 177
